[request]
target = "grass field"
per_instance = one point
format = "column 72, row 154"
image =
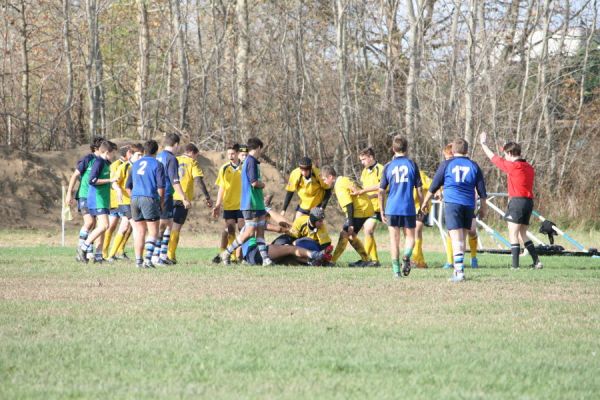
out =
column 202, row 331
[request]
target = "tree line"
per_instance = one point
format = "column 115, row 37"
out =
column 323, row 78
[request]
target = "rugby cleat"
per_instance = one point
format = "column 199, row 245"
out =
column 359, row 263
column 447, row 266
column 537, row 265
column 225, row 257
column 216, row 259
column 81, row 255
column 148, row 264
column 266, row 262
column 373, row 264
column 418, row 264
column 474, row 263
column 405, row 266
column 397, row 275
column 457, row 276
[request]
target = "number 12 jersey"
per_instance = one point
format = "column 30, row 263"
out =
column 401, row 176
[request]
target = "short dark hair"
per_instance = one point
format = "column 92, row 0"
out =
column 399, row 144
column 512, row 148
column 124, row 149
column 367, row 152
column 191, row 148
column 235, row 147
column 106, row 146
column 254, row 143
column 328, row 170
column 171, row 139
column 460, row 146
column 150, row 147
column 96, row 142
column 242, row 148
column 137, row 147
column 305, row 162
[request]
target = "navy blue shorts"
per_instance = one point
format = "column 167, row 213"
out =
column 114, row 212
column 458, row 216
column 82, row 206
column 302, row 210
column 180, row 213
column 357, row 223
column 232, row 214
column 402, row 221
column 253, row 256
column 252, row 214
column 125, row 211
column 167, row 212
column 145, row 209
column 99, row 211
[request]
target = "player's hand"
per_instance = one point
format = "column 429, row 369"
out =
column 383, row 218
column 70, row 201
column 482, row 138
column 285, row 227
column 351, row 231
column 420, row 216
column 424, row 209
column 215, row 211
column 186, row 204
column 482, row 213
column 209, row 203
column 356, row 192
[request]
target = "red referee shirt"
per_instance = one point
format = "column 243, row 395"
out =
column 520, row 176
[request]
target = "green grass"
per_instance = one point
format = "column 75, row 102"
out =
column 203, row 331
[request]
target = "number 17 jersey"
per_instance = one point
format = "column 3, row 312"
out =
column 460, row 176
column 401, row 176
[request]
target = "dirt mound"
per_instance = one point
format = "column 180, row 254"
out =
column 30, row 185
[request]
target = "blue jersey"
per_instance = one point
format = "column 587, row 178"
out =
column 460, row 176
column 146, row 177
column 401, row 176
column 171, row 166
column 252, row 198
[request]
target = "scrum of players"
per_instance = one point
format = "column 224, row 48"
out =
column 135, row 190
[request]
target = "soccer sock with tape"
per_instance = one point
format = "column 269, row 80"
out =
column 106, row 244
column 515, row 250
column 150, row 244
column 83, row 235
column 371, row 248
column 264, row 251
column 532, row 251
column 164, row 247
column 473, row 245
column 234, row 245
column 173, row 242
column 99, row 253
column 408, row 252
column 459, row 262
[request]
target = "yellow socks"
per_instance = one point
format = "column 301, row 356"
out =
column 360, row 249
column 449, row 253
column 371, row 248
column 339, row 248
column 417, row 254
column 473, row 245
column 116, row 245
column 121, row 249
column 173, row 242
column 106, row 244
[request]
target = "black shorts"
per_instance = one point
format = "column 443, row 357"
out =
column 458, row 216
column 125, row 210
column 167, row 212
column 232, row 214
column 519, row 210
column 402, row 221
column 253, row 214
column 180, row 213
column 357, row 223
column 145, row 209
column 302, row 210
column 284, row 239
column 377, row 216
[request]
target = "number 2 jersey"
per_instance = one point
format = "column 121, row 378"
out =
column 460, row 177
column 401, row 176
column 146, row 177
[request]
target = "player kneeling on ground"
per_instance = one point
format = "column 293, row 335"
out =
column 278, row 252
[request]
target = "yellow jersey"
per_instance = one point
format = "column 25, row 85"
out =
column 188, row 171
column 301, row 229
column 230, row 179
column 310, row 191
column 121, row 176
column 363, row 208
column 114, row 166
column 426, row 184
column 371, row 176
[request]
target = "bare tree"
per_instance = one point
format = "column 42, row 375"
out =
column 143, row 67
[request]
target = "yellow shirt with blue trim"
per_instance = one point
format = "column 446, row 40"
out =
column 363, row 208
column 230, row 179
column 189, row 169
column 371, row 176
column 114, row 167
column 310, row 191
column 426, row 184
column 121, row 175
column 301, row 229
